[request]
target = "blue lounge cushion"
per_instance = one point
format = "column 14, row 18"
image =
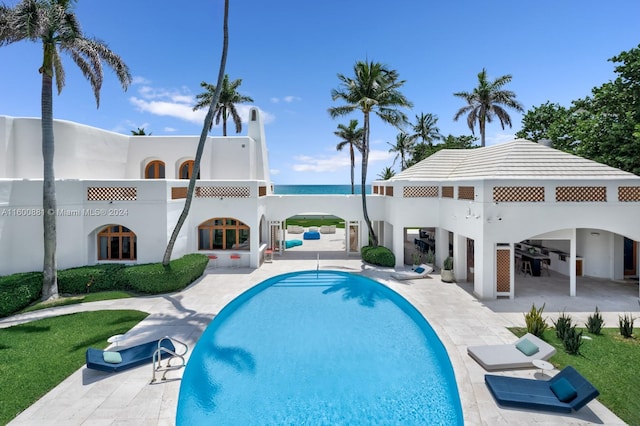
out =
column 131, row 357
column 564, row 390
column 292, row 243
column 311, row 235
column 527, row 347
column 419, row 270
column 112, row 357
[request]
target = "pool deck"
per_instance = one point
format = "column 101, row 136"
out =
column 90, row 397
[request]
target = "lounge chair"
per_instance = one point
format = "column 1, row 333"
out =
column 565, row 392
column 112, row 361
column 515, row 355
column 421, row 271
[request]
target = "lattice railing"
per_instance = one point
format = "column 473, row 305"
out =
column 503, row 271
column 420, row 192
column 222, row 191
column 466, row 193
column 388, row 191
column 112, row 193
column 629, row 193
column 518, row 194
column 581, row 193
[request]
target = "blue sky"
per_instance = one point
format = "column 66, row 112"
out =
column 288, row 53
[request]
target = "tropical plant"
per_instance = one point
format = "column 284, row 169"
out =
column 350, row 135
column 562, row 325
column 203, row 138
column 536, row 324
column 140, row 132
column 486, row 102
column 430, row 258
column 225, row 105
column 595, row 322
column 448, row 264
column 54, row 24
column 403, row 148
column 572, row 341
column 373, row 89
column 425, row 128
column 626, row 325
column 386, row 173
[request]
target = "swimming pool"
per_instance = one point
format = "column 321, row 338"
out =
column 319, row 347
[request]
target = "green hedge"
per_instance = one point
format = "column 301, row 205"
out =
column 18, row 291
column 378, row 255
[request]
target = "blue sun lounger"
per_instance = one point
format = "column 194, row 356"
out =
column 565, row 392
column 112, row 361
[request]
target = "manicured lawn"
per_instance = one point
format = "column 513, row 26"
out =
column 72, row 300
column 315, row 221
column 610, row 362
column 36, row 357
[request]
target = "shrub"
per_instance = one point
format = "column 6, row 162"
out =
column 595, row 322
column 448, row 264
column 431, row 257
column 536, row 325
column 626, row 325
column 92, row 279
column 153, row 278
column 562, row 325
column 18, row 291
column 572, row 341
column 378, row 255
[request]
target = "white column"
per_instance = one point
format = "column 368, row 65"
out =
column 460, row 257
column 398, row 245
column 442, row 246
column 572, row 264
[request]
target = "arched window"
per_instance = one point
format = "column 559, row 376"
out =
column 115, row 242
column 254, row 115
column 154, row 170
column 223, row 234
column 186, row 170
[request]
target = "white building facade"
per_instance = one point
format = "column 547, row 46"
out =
column 119, row 197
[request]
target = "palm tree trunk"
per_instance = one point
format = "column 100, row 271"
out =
column 373, row 239
column 353, row 165
column 483, row 126
column 50, row 275
column 203, row 138
column 224, row 121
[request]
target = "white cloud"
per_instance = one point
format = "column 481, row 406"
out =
column 274, row 172
column 336, row 162
column 136, row 79
column 170, row 129
column 178, row 103
column 274, row 100
column 499, row 138
column 286, row 99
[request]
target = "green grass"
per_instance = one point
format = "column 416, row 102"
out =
column 72, row 300
column 315, row 221
column 610, row 362
column 39, row 355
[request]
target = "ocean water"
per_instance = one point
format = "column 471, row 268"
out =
column 318, row 189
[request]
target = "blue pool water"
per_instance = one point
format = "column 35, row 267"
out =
column 319, row 348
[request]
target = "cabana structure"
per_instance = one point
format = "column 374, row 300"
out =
column 119, row 197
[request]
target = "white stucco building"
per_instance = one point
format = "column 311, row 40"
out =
column 119, row 197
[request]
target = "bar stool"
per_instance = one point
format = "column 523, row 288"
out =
column 235, row 260
column 213, row 260
column 544, row 267
column 526, row 267
column 518, row 265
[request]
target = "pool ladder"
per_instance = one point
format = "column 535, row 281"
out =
column 173, row 356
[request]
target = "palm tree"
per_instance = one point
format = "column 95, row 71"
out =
column 352, row 136
column 140, row 132
column 386, row 173
column 374, row 88
column 403, row 148
column 208, row 120
column 426, row 129
column 54, row 24
column 486, row 102
column 225, row 107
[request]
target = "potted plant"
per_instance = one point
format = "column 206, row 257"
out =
column 416, row 258
column 447, row 271
column 430, row 258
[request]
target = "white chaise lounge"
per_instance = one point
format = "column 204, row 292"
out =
column 421, row 271
column 519, row 354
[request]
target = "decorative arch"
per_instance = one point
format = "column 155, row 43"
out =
column 186, row 170
column 223, row 233
column 116, row 242
column 155, row 170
